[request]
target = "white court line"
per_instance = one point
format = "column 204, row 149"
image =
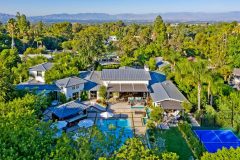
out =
column 217, row 136
column 223, row 142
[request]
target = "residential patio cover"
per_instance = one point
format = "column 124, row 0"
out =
column 127, row 88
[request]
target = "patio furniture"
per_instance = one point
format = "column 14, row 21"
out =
column 138, row 99
column 121, row 99
column 130, row 98
column 163, row 126
column 143, row 102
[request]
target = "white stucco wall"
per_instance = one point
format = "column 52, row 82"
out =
column 69, row 91
column 38, row 78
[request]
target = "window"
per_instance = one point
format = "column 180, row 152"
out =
column 39, row 73
column 77, row 86
column 73, row 87
column 75, row 95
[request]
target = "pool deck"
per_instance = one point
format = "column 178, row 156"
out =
column 124, row 110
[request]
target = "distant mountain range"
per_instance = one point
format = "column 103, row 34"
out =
column 174, row 17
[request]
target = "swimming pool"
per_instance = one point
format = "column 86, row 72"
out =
column 121, row 128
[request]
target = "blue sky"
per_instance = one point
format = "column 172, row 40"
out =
column 44, row 7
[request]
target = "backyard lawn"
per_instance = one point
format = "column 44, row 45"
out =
column 174, row 142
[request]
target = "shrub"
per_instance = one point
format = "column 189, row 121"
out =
column 63, row 98
column 84, row 96
column 170, row 156
column 195, row 145
column 223, row 154
column 150, row 124
column 103, row 92
column 156, row 114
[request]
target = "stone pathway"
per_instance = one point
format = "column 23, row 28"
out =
column 194, row 122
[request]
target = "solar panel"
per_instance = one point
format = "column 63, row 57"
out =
column 214, row 140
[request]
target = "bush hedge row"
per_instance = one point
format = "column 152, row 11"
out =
column 192, row 141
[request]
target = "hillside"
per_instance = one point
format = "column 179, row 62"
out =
column 129, row 17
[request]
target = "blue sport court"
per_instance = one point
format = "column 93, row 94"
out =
column 217, row 139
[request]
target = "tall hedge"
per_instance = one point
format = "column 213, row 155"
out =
column 192, row 141
column 224, row 154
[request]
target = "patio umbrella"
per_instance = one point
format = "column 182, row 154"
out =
column 59, row 124
column 106, row 114
column 86, row 123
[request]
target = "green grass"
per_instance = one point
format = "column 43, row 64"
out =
column 175, row 142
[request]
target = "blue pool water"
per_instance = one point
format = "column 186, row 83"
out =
column 122, row 128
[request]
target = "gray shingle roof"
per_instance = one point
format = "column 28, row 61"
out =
column 69, row 109
column 93, row 80
column 125, row 75
column 166, row 91
column 69, row 81
column 42, row 67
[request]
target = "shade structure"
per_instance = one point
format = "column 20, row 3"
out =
column 106, row 114
column 86, row 123
column 59, row 124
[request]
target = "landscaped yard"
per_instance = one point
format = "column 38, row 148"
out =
column 174, row 142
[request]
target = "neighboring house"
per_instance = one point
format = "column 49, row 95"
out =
column 38, row 72
column 235, row 81
column 112, row 39
column 111, row 59
column 71, row 86
column 160, row 63
column 167, row 95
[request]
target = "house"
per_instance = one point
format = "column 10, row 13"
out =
column 235, row 80
column 37, row 72
column 132, row 82
column 112, row 39
column 160, row 63
column 129, row 81
column 110, row 59
column 71, row 87
column 167, row 95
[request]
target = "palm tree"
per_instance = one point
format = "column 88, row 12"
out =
column 199, row 72
column 193, row 73
column 11, row 27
